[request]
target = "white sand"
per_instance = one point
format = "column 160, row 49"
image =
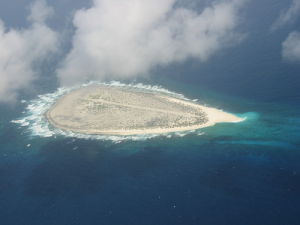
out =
column 122, row 111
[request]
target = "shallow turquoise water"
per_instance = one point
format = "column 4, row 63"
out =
column 237, row 174
column 245, row 173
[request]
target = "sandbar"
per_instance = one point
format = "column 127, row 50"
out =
column 111, row 110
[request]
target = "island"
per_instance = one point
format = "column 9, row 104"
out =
column 110, row 110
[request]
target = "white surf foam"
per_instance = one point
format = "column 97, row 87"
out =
column 38, row 125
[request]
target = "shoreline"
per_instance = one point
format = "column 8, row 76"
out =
column 213, row 116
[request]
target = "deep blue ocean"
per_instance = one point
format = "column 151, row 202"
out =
column 246, row 173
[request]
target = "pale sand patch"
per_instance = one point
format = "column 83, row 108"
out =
column 105, row 110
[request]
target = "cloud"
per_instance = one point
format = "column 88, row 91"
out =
column 291, row 47
column 21, row 50
column 40, row 11
column 287, row 16
column 118, row 39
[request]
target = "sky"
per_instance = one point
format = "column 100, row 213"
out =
column 121, row 40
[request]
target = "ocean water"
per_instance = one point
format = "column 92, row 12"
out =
column 246, row 173
column 243, row 173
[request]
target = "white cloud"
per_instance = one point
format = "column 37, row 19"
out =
column 118, row 39
column 291, row 47
column 21, row 50
column 287, row 16
column 40, row 11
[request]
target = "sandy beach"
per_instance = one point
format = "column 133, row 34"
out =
column 106, row 110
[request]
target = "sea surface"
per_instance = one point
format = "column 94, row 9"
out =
column 246, row 173
column 243, row 173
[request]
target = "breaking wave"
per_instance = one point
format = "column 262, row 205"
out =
column 38, row 125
